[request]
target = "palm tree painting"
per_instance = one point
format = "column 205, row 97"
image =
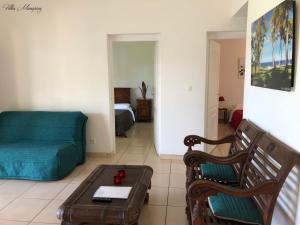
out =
column 272, row 48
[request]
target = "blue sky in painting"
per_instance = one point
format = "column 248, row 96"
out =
column 267, row 48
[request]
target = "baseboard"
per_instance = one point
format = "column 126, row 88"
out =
column 99, row 154
column 109, row 155
column 172, row 157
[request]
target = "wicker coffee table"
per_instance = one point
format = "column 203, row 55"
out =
column 79, row 209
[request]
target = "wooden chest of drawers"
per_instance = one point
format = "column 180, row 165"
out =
column 144, row 110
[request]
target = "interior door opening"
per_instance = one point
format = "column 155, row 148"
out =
column 134, row 68
column 225, row 86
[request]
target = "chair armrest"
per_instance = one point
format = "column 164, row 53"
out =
column 192, row 140
column 201, row 189
column 194, row 158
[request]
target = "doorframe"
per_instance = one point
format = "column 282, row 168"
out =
column 216, row 35
column 153, row 37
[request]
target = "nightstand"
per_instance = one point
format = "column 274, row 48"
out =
column 144, row 110
column 225, row 114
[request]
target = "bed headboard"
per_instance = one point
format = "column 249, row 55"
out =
column 122, row 95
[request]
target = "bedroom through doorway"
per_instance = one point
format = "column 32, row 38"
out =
column 225, row 92
column 133, row 76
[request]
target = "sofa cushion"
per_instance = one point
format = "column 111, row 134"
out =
column 63, row 127
column 235, row 208
column 37, row 160
column 218, row 172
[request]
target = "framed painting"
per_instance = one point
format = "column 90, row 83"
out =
column 273, row 48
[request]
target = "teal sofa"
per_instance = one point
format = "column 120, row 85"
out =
column 41, row 145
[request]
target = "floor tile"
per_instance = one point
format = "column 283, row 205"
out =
column 130, row 163
column 153, row 215
column 177, row 197
column 92, row 165
column 224, row 129
column 74, row 174
column 178, row 167
column 48, row 215
column 160, row 180
column 160, row 167
column 82, row 176
column 140, row 142
column 221, row 150
column 176, row 216
column 97, row 161
column 88, row 169
column 157, row 160
column 23, row 209
column 132, row 157
column 167, row 197
column 158, row 196
column 114, row 158
column 122, row 143
column 152, row 148
column 152, row 157
column 177, row 180
column 44, row 223
column 69, row 189
column 15, row 188
column 4, row 201
column 45, row 190
column 137, row 150
column 5, row 222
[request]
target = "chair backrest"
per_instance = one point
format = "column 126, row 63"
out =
column 246, row 134
column 269, row 159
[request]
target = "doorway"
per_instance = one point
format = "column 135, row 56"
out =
column 225, row 85
column 134, row 59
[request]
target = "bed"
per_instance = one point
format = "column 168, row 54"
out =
column 236, row 117
column 124, row 115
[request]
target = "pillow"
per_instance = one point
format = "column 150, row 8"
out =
column 235, row 208
column 122, row 106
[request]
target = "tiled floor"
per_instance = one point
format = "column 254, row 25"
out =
column 35, row 203
column 224, row 130
column 167, row 195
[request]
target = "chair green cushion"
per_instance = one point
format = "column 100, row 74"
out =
column 235, row 208
column 218, row 172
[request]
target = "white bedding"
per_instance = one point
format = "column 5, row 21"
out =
column 125, row 106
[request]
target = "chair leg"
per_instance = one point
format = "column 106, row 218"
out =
column 146, row 200
column 189, row 179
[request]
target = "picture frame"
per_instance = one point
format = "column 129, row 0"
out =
column 273, row 48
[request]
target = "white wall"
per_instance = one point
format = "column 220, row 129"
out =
column 237, row 5
column 231, row 86
column 133, row 62
column 275, row 111
column 58, row 59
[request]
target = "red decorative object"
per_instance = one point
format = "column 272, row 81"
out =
column 237, row 118
column 122, row 173
column 221, row 99
column 117, row 180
